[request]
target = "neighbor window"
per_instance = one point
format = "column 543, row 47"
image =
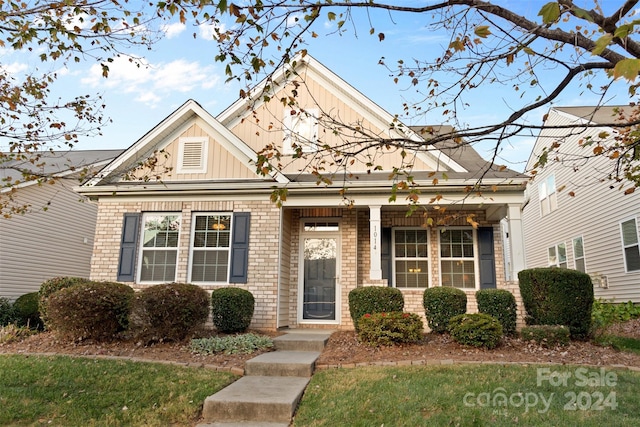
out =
column 548, row 195
column 578, row 255
column 159, row 249
column 210, row 243
column 630, row 245
column 457, row 258
column 300, row 130
column 411, row 258
column 557, row 256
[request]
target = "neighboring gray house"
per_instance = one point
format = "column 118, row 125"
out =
column 55, row 237
column 575, row 219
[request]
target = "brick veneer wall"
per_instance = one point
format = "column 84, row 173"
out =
column 263, row 246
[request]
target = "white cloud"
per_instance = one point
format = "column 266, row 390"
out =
column 14, row 68
column 151, row 83
column 173, row 30
column 208, row 31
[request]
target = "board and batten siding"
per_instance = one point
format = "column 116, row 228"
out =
column 42, row 244
column 594, row 212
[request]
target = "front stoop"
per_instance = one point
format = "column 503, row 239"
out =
column 272, row 399
column 283, row 364
column 274, row 383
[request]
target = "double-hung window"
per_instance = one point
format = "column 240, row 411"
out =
column 159, row 249
column 411, row 255
column 631, row 247
column 457, row 258
column 548, row 195
column 578, row 255
column 557, row 255
column 210, row 247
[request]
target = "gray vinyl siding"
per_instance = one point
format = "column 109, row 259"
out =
column 43, row 244
column 595, row 213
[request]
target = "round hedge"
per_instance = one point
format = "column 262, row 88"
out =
column 50, row 287
column 170, row 312
column 477, row 330
column 92, row 310
column 441, row 304
column 27, row 312
column 501, row 304
column 374, row 299
column 232, row 309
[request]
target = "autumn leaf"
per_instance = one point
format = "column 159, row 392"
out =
column 380, row 36
column 627, row 68
column 550, row 13
column 482, row 31
column 629, row 190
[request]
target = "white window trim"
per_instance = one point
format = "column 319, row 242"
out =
column 181, row 169
column 584, row 253
column 624, row 255
column 141, row 248
column 566, row 255
column 394, row 258
column 192, row 235
column 289, row 132
column 476, row 262
column 547, row 195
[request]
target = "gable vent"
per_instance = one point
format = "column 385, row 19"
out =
column 192, row 155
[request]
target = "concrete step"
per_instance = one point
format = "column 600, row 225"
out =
column 283, row 364
column 302, row 341
column 255, row 398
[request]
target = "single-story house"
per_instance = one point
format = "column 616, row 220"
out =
column 54, row 235
column 574, row 217
column 200, row 212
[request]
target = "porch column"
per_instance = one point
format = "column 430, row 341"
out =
column 516, row 238
column 375, row 272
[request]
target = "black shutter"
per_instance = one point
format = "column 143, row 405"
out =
column 385, row 255
column 240, row 247
column 128, row 247
column 487, row 258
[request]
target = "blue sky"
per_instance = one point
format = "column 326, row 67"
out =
column 181, row 67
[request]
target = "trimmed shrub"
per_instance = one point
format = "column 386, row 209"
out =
column 546, row 335
column 92, row 310
column 7, row 312
column 169, row 312
column 558, row 296
column 51, row 286
column 390, row 328
column 373, row 299
column 27, row 312
column 441, row 304
column 232, row 309
column 230, row 344
column 477, row 330
column 500, row 304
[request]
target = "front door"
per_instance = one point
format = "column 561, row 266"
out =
column 319, row 282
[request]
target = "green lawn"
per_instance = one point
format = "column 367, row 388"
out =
column 472, row 395
column 65, row 391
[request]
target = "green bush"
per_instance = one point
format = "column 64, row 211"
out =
column 558, row 296
column 27, row 312
column 232, row 309
column 546, row 335
column 374, row 299
column 477, row 330
column 7, row 312
column 92, row 310
column 441, row 304
column 500, row 304
column 169, row 312
column 230, row 344
column 606, row 313
column 390, row 328
column 51, row 286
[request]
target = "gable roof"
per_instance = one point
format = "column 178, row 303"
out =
column 330, row 81
column 54, row 163
column 596, row 114
column 172, row 125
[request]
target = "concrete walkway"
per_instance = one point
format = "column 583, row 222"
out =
column 268, row 394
